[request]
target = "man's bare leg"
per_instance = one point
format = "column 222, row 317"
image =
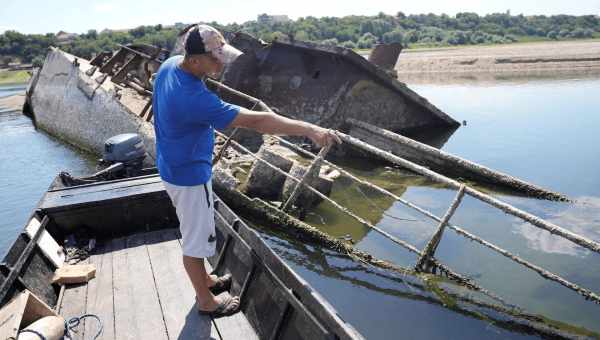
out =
column 201, row 280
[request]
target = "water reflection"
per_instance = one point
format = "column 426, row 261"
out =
column 364, row 201
column 541, row 131
column 448, row 308
column 582, row 217
column 435, row 137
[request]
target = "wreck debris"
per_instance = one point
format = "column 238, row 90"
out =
column 443, row 268
column 423, row 263
column 474, row 193
column 386, row 56
column 132, row 65
column 136, row 76
column 507, row 208
column 411, row 150
column 441, row 161
column 542, row 272
column 326, row 85
column 81, row 110
column 310, row 175
column 430, row 289
column 260, row 210
column 404, row 244
column 263, row 181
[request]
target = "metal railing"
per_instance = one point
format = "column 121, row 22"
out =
column 426, row 260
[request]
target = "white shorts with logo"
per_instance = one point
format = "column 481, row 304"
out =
column 194, row 207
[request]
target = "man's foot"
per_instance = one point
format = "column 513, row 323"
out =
column 218, row 285
column 224, row 305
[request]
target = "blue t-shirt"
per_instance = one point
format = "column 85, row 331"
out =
column 185, row 113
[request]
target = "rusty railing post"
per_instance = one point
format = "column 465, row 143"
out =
column 228, row 140
column 424, row 261
column 315, row 163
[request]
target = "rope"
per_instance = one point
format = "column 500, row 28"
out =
column 74, row 322
column 70, row 325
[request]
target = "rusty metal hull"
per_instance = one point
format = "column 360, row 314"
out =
column 326, row 85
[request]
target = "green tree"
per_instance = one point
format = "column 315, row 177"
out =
column 92, row 34
column 394, row 36
column 367, row 40
column 349, row 44
column 330, row 42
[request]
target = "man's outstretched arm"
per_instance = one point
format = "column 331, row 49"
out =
column 271, row 123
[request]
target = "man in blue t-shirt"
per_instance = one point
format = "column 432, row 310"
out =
column 185, row 114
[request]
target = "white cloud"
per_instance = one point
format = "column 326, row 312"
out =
column 104, row 7
column 580, row 217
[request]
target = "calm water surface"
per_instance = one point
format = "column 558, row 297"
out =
column 544, row 132
column 29, row 161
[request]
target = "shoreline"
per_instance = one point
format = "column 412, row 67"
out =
column 10, row 77
column 13, row 102
column 494, row 62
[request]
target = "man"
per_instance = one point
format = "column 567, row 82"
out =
column 185, row 114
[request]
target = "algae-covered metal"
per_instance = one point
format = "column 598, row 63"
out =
column 326, row 85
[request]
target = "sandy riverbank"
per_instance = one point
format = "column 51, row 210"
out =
column 12, row 103
column 523, row 60
column 13, row 77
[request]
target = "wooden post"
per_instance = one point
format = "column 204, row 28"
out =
column 314, row 164
column 146, row 107
column 424, row 262
column 228, row 141
column 224, row 147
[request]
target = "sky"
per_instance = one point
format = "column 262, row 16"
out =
column 41, row 16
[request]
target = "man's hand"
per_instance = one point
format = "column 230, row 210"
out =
column 323, row 137
column 269, row 122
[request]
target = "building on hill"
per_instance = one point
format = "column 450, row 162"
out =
column 272, row 19
column 63, row 37
column 106, row 30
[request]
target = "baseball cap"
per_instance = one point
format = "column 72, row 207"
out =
column 202, row 39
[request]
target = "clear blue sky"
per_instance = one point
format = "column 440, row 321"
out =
column 42, row 16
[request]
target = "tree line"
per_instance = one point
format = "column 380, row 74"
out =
column 356, row 32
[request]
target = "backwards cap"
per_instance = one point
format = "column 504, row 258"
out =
column 202, row 39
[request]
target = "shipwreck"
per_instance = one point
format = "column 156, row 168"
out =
column 273, row 180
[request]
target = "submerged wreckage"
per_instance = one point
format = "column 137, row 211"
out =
column 274, row 180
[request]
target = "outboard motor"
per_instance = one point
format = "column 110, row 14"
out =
column 124, row 152
column 123, row 157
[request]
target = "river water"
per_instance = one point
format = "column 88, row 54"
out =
column 29, row 161
column 542, row 131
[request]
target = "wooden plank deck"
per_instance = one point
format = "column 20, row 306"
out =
column 141, row 291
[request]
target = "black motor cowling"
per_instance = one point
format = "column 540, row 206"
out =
column 123, row 157
column 127, row 148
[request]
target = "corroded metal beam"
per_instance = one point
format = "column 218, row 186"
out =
column 316, row 163
column 541, row 271
column 507, row 208
column 424, row 262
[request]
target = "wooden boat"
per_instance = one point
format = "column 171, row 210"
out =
column 141, row 289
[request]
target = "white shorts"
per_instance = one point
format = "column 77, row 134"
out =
column 194, row 207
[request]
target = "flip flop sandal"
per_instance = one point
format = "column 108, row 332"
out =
column 225, row 308
column 222, row 285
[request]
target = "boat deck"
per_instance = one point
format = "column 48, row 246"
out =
column 141, row 291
